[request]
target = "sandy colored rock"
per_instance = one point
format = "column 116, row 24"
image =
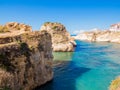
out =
column 61, row 39
column 18, row 26
column 25, row 60
column 13, row 29
column 115, row 84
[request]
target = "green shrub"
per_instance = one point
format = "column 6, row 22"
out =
column 54, row 27
column 46, row 23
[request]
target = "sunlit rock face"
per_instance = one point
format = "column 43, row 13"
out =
column 25, row 60
column 88, row 35
column 14, row 26
column 61, row 39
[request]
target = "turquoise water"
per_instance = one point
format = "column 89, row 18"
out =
column 91, row 67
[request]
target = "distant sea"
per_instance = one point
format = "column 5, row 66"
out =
column 91, row 67
column 73, row 35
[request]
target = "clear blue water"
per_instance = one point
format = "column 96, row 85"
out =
column 91, row 67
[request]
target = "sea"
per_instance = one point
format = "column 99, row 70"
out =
column 92, row 66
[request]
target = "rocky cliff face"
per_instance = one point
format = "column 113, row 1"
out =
column 61, row 39
column 25, row 60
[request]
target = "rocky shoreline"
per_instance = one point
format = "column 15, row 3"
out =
column 26, row 58
column 101, row 36
column 110, row 35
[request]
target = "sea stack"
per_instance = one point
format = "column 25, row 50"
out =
column 61, row 39
column 25, row 57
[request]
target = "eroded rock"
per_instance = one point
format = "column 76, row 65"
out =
column 61, row 39
column 25, row 60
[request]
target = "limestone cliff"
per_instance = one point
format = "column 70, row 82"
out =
column 25, row 60
column 61, row 39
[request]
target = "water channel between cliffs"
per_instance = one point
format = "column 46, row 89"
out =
column 91, row 67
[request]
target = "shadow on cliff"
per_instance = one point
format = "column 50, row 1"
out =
column 65, row 75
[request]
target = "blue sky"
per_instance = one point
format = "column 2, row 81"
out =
column 74, row 14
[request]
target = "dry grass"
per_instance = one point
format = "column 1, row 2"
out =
column 3, row 29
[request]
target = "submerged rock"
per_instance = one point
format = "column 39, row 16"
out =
column 61, row 39
column 25, row 60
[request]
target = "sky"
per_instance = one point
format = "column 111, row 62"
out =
column 76, row 15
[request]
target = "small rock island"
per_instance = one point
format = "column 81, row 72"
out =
column 61, row 39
